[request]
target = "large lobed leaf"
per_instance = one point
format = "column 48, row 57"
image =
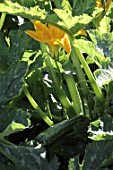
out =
column 101, row 42
column 13, row 120
column 18, row 40
column 73, row 24
column 13, row 48
column 3, row 52
column 18, row 10
column 12, row 81
column 28, row 157
column 67, row 22
column 81, row 7
column 96, row 154
column 104, row 75
column 100, row 51
column 101, row 129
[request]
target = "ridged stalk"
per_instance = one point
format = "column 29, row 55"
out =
column 58, row 88
column 90, row 76
column 82, row 81
column 77, row 103
column 2, row 19
column 37, row 108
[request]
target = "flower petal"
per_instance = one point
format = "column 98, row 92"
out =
column 38, row 36
column 107, row 4
column 39, row 26
column 66, row 44
column 99, row 3
column 56, row 32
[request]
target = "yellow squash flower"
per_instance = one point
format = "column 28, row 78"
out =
column 105, row 7
column 99, row 3
column 50, row 35
column 107, row 4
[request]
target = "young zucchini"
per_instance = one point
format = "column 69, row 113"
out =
column 57, row 131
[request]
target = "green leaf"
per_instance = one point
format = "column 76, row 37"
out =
column 12, row 128
column 65, row 5
column 12, row 119
column 32, row 45
column 18, row 40
column 57, row 3
column 3, row 52
column 104, row 42
column 96, row 154
column 90, row 48
column 100, row 49
column 11, row 167
column 11, row 81
column 104, row 75
column 82, row 7
column 71, row 23
column 86, row 46
column 25, row 3
column 54, row 164
column 74, row 164
column 28, row 157
column 67, row 21
column 105, row 25
column 37, row 62
column 102, row 128
column 18, row 10
column 96, row 13
column 110, row 14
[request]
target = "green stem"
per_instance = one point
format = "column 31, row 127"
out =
column 2, row 19
column 58, row 88
column 48, row 111
column 6, row 142
column 37, row 108
column 77, row 103
column 82, row 81
column 89, row 74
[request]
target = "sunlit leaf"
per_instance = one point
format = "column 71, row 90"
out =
column 104, row 75
column 18, row 10
column 104, row 42
column 73, row 24
column 9, row 117
column 105, row 25
column 101, row 129
column 67, row 21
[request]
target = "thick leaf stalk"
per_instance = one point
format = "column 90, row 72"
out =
column 89, row 74
column 37, row 108
column 83, row 83
column 77, row 103
column 58, row 88
column 2, row 19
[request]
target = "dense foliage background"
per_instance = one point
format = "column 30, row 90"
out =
column 56, row 111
